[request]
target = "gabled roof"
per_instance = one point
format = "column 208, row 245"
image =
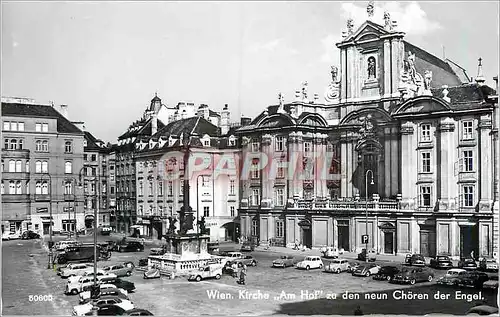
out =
column 459, row 71
column 93, row 144
column 366, row 27
column 39, row 111
column 140, row 128
column 466, row 96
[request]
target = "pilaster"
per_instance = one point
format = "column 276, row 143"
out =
column 407, row 165
column 387, row 162
column 266, row 150
column 387, row 68
column 446, row 197
column 486, row 164
column 343, row 168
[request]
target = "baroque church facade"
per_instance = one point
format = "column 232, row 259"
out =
column 403, row 150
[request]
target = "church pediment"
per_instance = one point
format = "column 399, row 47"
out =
column 423, row 104
column 276, row 121
column 367, row 31
column 357, row 117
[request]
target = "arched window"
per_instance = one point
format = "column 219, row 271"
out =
column 68, row 167
column 38, row 189
column 27, row 166
column 68, row 147
column 18, row 166
column 68, row 188
column 12, row 187
column 12, row 166
column 372, row 67
column 45, row 188
column 38, row 166
column 45, row 167
column 18, row 188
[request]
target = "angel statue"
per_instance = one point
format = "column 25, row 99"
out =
column 334, row 72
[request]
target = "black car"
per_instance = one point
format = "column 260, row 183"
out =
column 386, row 273
column 441, row 261
column 467, row 264
column 473, row 279
column 108, row 310
column 130, row 246
column 119, row 283
column 28, row 235
column 417, row 260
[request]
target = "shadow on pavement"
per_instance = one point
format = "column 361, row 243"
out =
column 391, row 305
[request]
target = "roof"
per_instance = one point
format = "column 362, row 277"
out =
column 466, row 96
column 212, row 113
column 194, row 125
column 93, row 144
column 459, row 70
column 140, row 128
column 37, row 111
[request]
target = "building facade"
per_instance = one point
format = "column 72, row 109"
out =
column 41, row 157
column 411, row 155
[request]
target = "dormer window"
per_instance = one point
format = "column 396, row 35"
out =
column 206, row 142
column 232, row 141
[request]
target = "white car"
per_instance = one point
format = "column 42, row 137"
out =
column 62, row 245
column 82, row 310
column 82, row 284
column 100, row 274
column 75, row 269
column 310, row 262
column 11, row 235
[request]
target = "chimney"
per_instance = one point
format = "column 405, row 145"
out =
column 63, row 109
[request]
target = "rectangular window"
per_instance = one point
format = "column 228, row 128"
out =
column 3, row 188
column 280, row 173
column 6, row 125
column 171, row 188
column 255, row 172
column 181, row 188
column 94, row 158
column 467, row 130
column 68, row 188
column 231, row 186
column 38, row 127
column 12, row 188
column 20, row 126
column 425, row 133
column 425, row 196
column 280, row 197
column 280, row 144
column 12, row 166
column 307, row 149
column 205, row 181
column 45, row 127
column 426, row 162
column 150, row 188
column 20, row 144
column 232, row 210
column 13, row 126
column 160, row 210
column 45, row 167
column 68, row 167
column 112, row 190
column 255, row 146
column 255, row 197
column 280, row 225
column 206, row 211
column 468, row 196
column 6, row 144
column 160, row 188
column 255, row 227
column 170, row 210
column 27, row 166
column 68, row 147
column 141, row 188
column 468, row 161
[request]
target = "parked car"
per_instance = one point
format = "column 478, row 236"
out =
column 371, row 255
column 310, row 262
column 247, row 246
column 330, row 253
column 10, row 236
column 28, row 235
column 206, row 272
column 151, row 274
column 75, row 269
column 100, row 274
column 74, row 287
column 366, row 270
column 130, row 246
column 483, row 310
column 80, row 253
column 62, row 245
column 285, row 261
column 233, row 255
column 441, row 262
column 416, row 260
column 488, row 264
column 126, row 285
column 451, row 277
column 337, row 266
column 247, row 260
column 82, row 310
column 472, row 279
column 352, row 266
column 386, row 273
column 119, row 270
column 138, row 312
column 413, row 275
column 85, row 296
column 467, row 264
column 492, row 283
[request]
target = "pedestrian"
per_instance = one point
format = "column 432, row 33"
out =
column 234, row 269
column 243, row 275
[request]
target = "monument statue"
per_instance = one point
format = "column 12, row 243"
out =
column 304, row 90
column 387, row 20
column 427, row 79
column 334, row 72
column 171, row 225
column 370, row 8
column 202, row 225
column 371, row 67
column 350, row 26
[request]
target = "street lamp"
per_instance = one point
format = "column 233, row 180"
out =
column 366, row 207
column 49, row 265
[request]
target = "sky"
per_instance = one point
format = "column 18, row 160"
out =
column 106, row 60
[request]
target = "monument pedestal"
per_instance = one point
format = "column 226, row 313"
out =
column 184, row 254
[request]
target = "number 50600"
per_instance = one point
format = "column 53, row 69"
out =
column 40, row 298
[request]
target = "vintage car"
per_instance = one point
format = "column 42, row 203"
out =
column 310, row 262
column 467, row 264
column 119, row 283
column 416, row 260
column 82, row 284
column 366, row 270
column 352, row 266
column 386, row 273
column 285, row 261
column 28, row 235
column 118, row 269
column 371, row 255
column 11, row 235
column 413, row 275
column 488, row 264
column 129, row 246
column 330, row 253
column 247, row 247
column 451, row 277
column 100, row 274
column 492, row 283
column 441, row 262
column 75, row 269
column 337, row 266
column 483, row 310
column 472, row 279
column 82, row 310
column 206, row 272
column 62, row 245
column 108, row 291
column 137, row 312
column 151, row 274
column 246, row 260
column 233, row 256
